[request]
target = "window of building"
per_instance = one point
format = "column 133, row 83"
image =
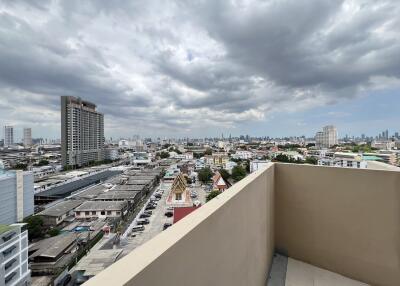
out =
column 118, row 213
column 93, row 213
column 108, row 212
column 87, row 213
column 178, row 196
column 103, row 212
column 78, row 213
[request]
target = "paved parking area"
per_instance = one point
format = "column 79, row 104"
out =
column 157, row 221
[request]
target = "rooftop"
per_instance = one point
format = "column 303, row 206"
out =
column 61, row 208
column 4, row 228
column 100, row 205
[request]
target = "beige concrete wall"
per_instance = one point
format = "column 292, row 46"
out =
column 228, row 241
column 344, row 220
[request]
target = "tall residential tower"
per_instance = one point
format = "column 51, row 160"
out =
column 8, row 136
column 82, row 132
column 27, row 140
column 327, row 137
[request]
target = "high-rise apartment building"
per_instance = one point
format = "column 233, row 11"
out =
column 82, row 132
column 8, row 136
column 27, row 139
column 327, row 137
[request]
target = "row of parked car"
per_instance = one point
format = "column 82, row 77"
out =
column 148, row 211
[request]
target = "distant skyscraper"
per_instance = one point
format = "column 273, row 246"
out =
column 327, row 137
column 27, row 140
column 8, row 136
column 82, row 132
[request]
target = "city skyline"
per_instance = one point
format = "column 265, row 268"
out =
column 175, row 67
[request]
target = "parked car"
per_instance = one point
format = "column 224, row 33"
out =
column 158, row 196
column 169, row 213
column 170, row 208
column 65, row 280
column 144, row 215
column 137, row 228
column 192, row 195
column 166, row 225
column 148, row 212
column 142, row 221
column 150, row 207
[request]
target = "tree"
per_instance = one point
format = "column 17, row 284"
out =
column 312, row 160
column 42, row 163
column 35, row 226
column 224, row 174
column 164, row 155
column 208, row 151
column 188, row 180
column 212, row 195
column 198, row 155
column 53, row 232
column 205, row 175
column 238, row 173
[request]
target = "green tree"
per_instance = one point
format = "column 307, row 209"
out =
column 311, row 160
column 212, row 195
column 35, row 227
column 164, row 155
column 208, row 151
column 238, row 173
column 42, row 163
column 205, row 175
column 188, row 180
column 54, row 232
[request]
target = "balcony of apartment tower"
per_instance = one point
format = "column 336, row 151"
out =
column 283, row 225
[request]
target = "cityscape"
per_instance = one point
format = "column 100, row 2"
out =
column 177, row 180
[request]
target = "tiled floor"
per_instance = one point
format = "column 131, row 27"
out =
column 302, row 274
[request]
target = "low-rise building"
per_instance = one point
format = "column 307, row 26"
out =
column 217, row 159
column 55, row 215
column 101, row 209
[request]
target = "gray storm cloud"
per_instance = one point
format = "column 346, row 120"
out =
column 180, row 64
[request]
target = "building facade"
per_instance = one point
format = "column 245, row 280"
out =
column 82, row 132
column 8, row 136
column 326, row 138
column 16, row 189
column 27, row 139
column 14, row 248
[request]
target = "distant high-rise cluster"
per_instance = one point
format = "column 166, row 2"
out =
column 327, row 137
column 8, row 136
column 82, row 132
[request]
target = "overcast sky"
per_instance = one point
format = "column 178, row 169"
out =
column 200, row 68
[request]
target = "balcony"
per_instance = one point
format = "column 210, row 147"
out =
column 336, row 226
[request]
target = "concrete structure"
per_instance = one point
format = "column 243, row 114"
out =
column 111, row 154
column 327, row 138
column 342, row 220
column 256, row 165
column 8, row 136
column 14, row 269
column 217, row 159
column 16, row 190
column 27, row 139
column 82, row 132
